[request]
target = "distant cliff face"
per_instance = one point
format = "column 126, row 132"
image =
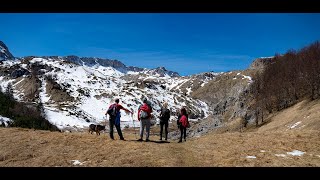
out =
column 91, row 61
column 5, row 53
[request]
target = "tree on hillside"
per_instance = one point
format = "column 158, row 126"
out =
column 9, row 91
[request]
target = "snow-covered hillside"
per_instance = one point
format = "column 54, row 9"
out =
column 75, row 96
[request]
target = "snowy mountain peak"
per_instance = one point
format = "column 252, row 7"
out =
column 5, row 53
column 162, row 72
column 161, row 68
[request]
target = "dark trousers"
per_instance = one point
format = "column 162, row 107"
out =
column 183, row 131
column 111, row 124
column 165, row 129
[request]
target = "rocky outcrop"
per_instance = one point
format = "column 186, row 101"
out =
column 228, row 98
column 19, row 72
column 261, row 63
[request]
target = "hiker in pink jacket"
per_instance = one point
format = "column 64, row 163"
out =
column 183, row 123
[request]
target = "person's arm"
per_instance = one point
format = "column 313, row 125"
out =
column 121, row 107
column 178, row 120
column 127, row 110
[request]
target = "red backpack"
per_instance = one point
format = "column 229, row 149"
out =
column 144, row 111
column 184, row 121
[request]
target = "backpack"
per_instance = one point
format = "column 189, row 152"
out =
column 165, row 115
column 143, row 114
column 144, row 111
column 112, row 111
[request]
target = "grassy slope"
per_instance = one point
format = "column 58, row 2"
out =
column 25, row 147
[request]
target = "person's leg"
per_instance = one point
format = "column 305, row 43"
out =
column 185, row 133
column 166, row 129
column 141, row 128
column 161, row 129
column 148, row 124
column 181, row 131
column 119, row 132
column 111, row 123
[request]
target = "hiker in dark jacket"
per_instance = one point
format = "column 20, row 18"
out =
column 183, row 123
column 144, row 116
column 114, row 120
column 164, row 120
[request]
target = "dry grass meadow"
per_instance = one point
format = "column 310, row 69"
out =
column 269, row 145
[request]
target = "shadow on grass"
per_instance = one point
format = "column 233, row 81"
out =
column 152, row 141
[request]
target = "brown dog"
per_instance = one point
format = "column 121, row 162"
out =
column 96, row 128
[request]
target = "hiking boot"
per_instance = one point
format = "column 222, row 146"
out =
column 122, row 139
column 112, row 138
column 140, row 139
column 185, row 140
column 179, row 141
column 147, row 140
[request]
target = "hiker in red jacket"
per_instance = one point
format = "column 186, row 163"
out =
column 144, row 116
column 183, row 123
column 114, row 118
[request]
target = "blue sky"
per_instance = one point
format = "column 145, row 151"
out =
column 187, row 43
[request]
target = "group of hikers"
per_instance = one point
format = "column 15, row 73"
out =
column 144, row 116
